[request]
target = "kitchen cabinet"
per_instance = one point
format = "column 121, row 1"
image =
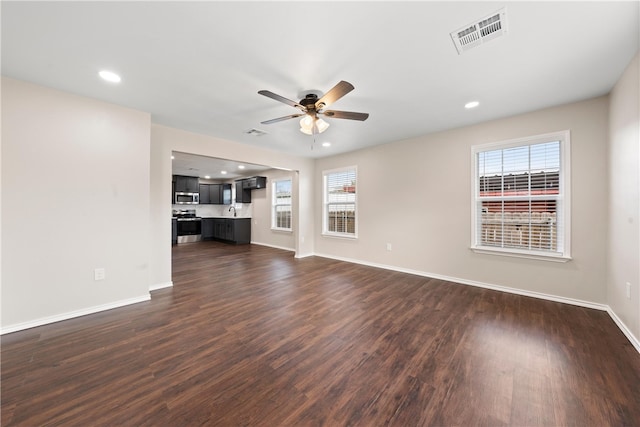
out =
column 215, row 194
column 225, row 194
column 205, row 198
column 174, row 231
column 243, row 195
column 233, row 230
column 207, row 228
column 241, row 230
column 244, row 187
column 186, row 184
column 254, row 183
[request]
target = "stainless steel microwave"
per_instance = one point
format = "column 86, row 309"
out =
column 186, row 198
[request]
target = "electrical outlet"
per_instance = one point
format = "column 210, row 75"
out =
column 628, row 290
column 389, row 247
column 99, row 274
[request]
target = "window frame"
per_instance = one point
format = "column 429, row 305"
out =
column 275, row 205
column 563, row 199
column 326, row 204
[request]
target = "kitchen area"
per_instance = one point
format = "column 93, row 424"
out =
column 212, row 199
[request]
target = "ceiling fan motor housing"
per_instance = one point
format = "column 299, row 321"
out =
column 309, row 101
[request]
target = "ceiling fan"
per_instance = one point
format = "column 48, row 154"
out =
column 312, row 108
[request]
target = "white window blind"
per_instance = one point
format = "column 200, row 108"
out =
column 520, row 196
column 340, row 201
column 281, row 205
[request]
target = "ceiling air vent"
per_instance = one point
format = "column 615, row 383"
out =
column 255, row 132
column 480, row 31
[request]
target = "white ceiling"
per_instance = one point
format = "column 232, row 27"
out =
column 203, row 167
column 199, row 65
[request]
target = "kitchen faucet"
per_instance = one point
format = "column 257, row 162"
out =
column 234, row 210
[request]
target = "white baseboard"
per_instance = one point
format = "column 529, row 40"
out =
column 625, row 330
column 273, row 246
column 304, row 255
column 572, row 301
column 516, row 291
column 160, row 286
column 72, row 314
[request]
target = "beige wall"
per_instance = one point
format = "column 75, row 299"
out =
column 624, row 194
column 75, row 197
column 261, row 231
column 416, row 195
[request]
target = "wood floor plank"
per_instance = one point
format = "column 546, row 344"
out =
column 251, row 336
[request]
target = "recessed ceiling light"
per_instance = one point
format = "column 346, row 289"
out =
column 240, row 166
column 173, row 157
column 207, row 177
column 326, row 144
column 110, row 76
column 472, row 104
column 223, row 172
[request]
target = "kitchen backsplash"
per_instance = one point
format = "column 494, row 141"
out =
column 204, row 211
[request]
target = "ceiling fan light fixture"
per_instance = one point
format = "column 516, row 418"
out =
column 322, row 125
column 306, row 122
column 306, row 125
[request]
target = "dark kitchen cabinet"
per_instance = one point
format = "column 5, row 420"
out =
column 225, row 194
column 241, row 230
column 254, row 183
column 243, row 195
column 174, row 231
column 233, row 230
column 205, row 198
column 207, row 228
column 219, row 229
column 215, row 194
column 187, row 184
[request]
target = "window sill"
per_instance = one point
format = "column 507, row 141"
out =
column 340, row 236
column 540, row 256
column 282, row 230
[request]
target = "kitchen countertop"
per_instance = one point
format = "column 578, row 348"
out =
column 226, row 216
column 218, row 217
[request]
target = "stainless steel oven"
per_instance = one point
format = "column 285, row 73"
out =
column 189, row 226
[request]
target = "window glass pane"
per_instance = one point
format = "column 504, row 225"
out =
column 341, row 218
column 519, row 197
column 339, row 215
column 281, row 213
column 341, row 187
column 283, row 192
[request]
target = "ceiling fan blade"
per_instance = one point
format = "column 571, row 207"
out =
column 335, row 93
column 282, row 99
column 333, row 114
column 279, row 119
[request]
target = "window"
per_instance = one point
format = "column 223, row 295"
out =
column 340, row 201
column 521, row 197
column 281, row 205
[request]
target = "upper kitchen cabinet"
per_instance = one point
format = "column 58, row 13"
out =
column 187, row 184
column 243, row 195
column 205, row 194
column 244, row 187
column 215, row 194
column 225, row 194
column 255, row 182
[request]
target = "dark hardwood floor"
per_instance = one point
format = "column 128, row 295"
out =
column 249, row 335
